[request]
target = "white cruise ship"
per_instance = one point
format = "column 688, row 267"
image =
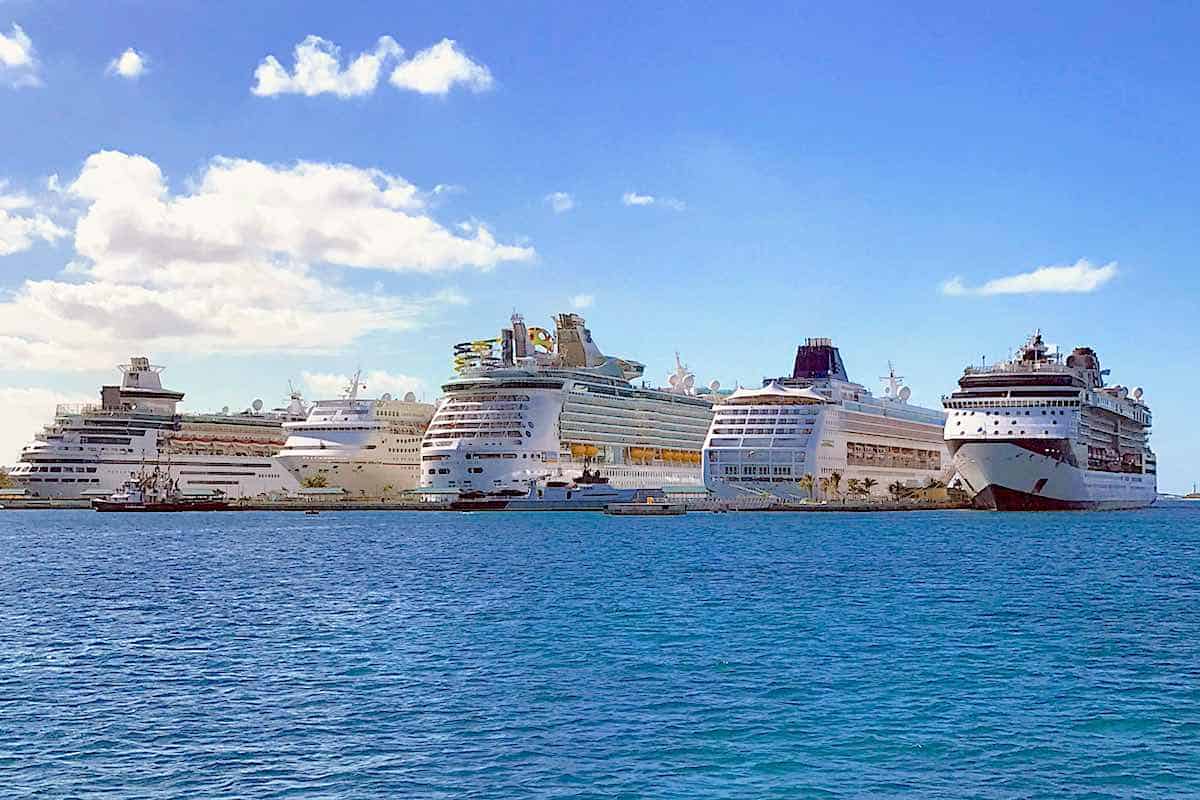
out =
column 367, row 447
column 1041, row 433
column 91, row 450
column 817, row 434
column 533, row 405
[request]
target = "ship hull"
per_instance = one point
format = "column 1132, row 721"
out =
column 121, row 506
column 1005, row 477
column 357, row 478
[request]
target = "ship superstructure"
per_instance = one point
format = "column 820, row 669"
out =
column 817, row 434
column 91, row 450
column 367, row 447
column 1039, row 432
column 533, row 404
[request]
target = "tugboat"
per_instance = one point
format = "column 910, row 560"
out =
column 155, row 491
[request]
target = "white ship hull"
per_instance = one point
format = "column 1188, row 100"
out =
column 1006, row 477
column 359, row 478
column 234, row 476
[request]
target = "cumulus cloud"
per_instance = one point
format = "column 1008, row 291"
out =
column 18, row 61
column 317, row 69
column 635, row 199
column 26, row 410
column 19, row 231
column 235, row 264
column 327, row 386
column 439, row 68
column 582, row 301
column 561, row 202
column 1078, row 278
column 131, row 65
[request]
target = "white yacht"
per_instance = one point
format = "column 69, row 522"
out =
column 367, row 447
column 1040, row 433
column 91, row 450
column 816, row 434
column 534, row 405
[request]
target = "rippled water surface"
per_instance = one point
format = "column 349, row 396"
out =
column 952, row 654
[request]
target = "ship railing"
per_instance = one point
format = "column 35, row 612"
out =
column 71, row 409
column 1008, row 369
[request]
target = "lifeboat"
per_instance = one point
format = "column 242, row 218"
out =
column 578, row 450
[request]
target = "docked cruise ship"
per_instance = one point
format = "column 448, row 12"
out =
column 815, row 433
column 91, row 450
column 533, row 405
column 367, row 447
column 1041, row 433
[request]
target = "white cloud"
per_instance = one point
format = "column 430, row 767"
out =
column 437, row 69
column 561, row 202
column 635, row 199
column 318, row 70
column 327, row 386
column 18, row 232
column 1080, row 277
column 131, row 64
column 582, row 301
column 18, row 61
column 26, row 410
column 235, row 264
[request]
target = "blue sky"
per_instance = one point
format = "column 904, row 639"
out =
column 815, row 172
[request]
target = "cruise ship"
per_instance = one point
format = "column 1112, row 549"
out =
column 817, row 434
column 366, row 447
column 533, row 405
column 91, row 450
column 1040, row 433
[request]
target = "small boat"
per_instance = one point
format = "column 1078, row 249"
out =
column 311, row 512
column 589, row 492
column 646, row 509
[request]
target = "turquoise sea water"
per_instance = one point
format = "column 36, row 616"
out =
column 357, row 655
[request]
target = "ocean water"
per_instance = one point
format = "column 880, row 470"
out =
column 366, row 655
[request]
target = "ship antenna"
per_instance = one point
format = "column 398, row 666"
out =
column 355, row 385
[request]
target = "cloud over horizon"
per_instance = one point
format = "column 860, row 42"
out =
column 238, row 263
column 1078, row 278
column 19, row 231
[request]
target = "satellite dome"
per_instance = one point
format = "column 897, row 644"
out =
column 905, row 393
column 386, row 396
column 714, row 386
column 410, row 397
column 257, row 405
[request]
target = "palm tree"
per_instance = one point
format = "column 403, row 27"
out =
column 806, row 484
column 868, row 484
column 897, row 490
column 317, row 481
column 934, row 483
column 835, row 482
column 853, row 487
